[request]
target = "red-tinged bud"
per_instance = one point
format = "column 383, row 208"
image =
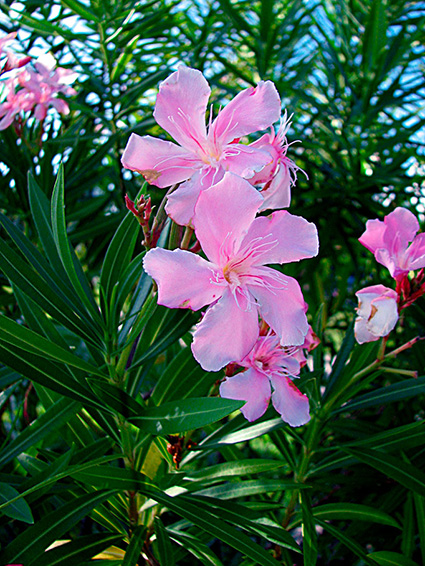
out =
column 405, row 287
column 130, row 205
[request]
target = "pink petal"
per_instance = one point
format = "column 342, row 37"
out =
column 295, row 238
column 403, row 223
column 250, row 386
column 416, row 252
column 278, row 193
column 223, row 214
column 161, row 163
column 181, row 203
column 255, row 108
column 373, row 237
column 225, row 334
column 183, row 278
column 289, row 401
column 181, row 105
column 281, row 304
column 244, row 160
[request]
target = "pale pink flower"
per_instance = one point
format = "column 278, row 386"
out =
column 15, row 102
column 234, row 279
column 202, row 156
column 268, row 365
column 377, row 313
column 45, row 83
column 311, row 341
column 280, row 175
column 389, row 241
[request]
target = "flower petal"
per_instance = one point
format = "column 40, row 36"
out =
column 281, row 304
column 181, row 105
column 289, row 401
column 223, row 214
column 278, row 193
column 250, row 386
column 416, row 252
column 162, row 163
column 255, row 108
column 362, row 333
column 183, row 278
column 181, row 203
column 403, row 223
column 295, row 237
column 244, row 160
column 225, row 334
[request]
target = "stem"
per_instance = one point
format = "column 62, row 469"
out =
column 186, row 238
column 309, row 449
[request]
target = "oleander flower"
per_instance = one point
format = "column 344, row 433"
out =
column 234, row 280
column 202, row 156
column 377, row 313
column 269, row 365
column 280, row 175
column 389, row 241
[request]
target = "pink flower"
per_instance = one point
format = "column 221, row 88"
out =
column 203, row 156
column 15, row 102
column 389, row 242
column 268, row 365
column 377, row 313
column 234, row 279
column 45, row 83
column 281, row 174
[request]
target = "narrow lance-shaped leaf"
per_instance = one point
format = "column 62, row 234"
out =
column 69, row 260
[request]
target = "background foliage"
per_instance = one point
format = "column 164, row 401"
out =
column 96, row 376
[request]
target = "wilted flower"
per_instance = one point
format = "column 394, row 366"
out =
column 235, row 281
column 377, row 313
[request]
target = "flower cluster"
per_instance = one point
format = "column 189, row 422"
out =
column 34, row 90
column 395, row 244
column 223, row 186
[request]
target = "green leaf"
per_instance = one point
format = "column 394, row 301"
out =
column 68, row 258
column 236, row 468
column 81, row 10
column 33, row 285
column 395, row 392
column 46, row 373
column 32, row 543
column 193, row 545
column 354, row 512
column 347, row 541
column 116, row 398
column 40, row 210
column 388, row 558
column 247, row 433
column 310, row 547
column 18, row 335
column 48, row 422
column 20, row 509
column 109, row 477
column 184, row 415
column 132, row 554
column 75, row 551
column 237, row 489
column 215, row 527
column 420, row 516
column 119, row 253
column 407, row 475
column 163, row 544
